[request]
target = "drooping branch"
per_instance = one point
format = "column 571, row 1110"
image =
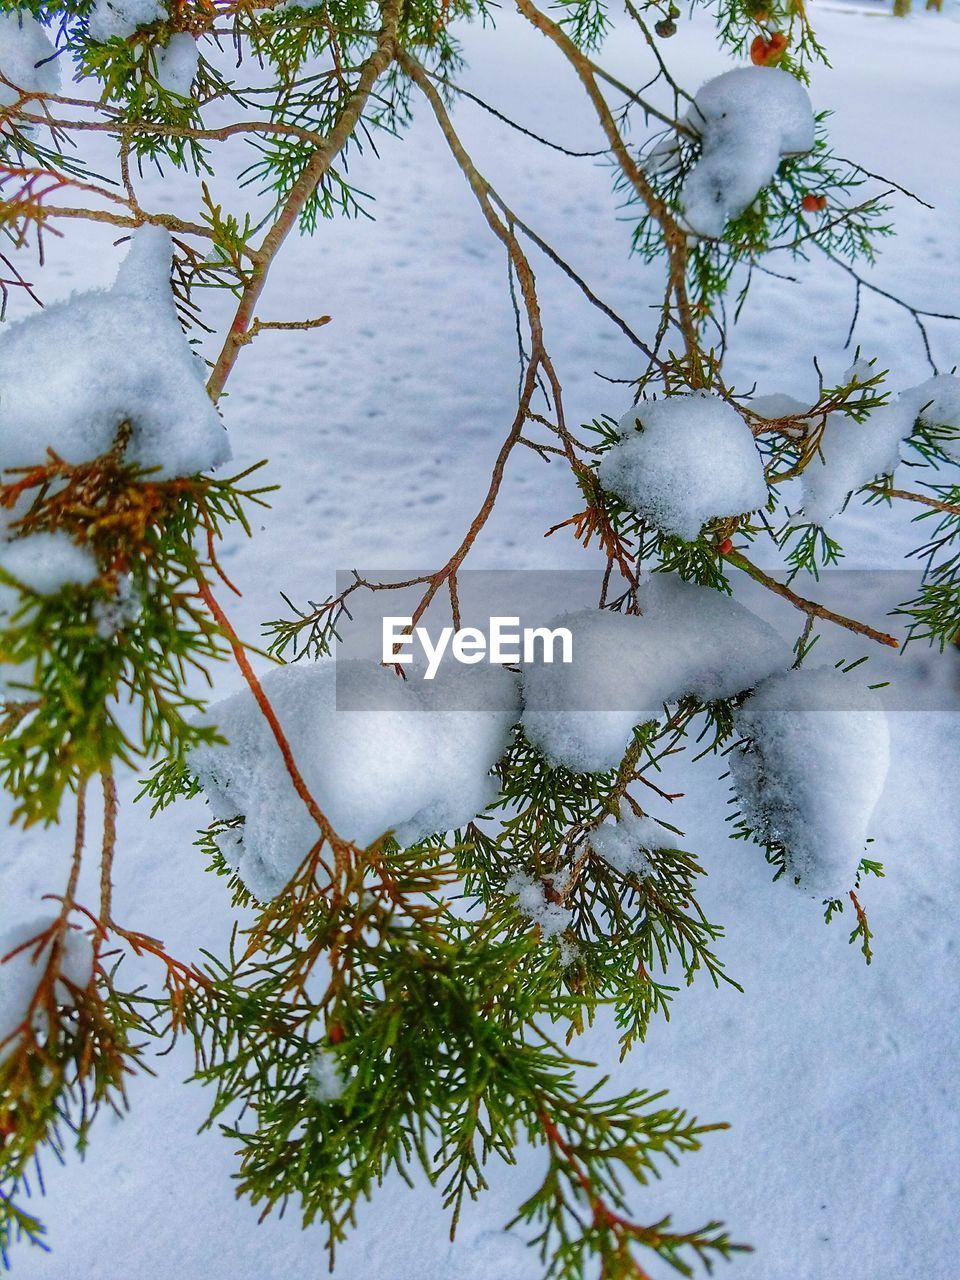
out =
column 810, row 607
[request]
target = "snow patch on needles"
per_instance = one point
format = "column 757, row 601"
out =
column 47, row 562
column 813, row 773
column 325, row 1081
column 73, row 373
column 532, row 901
column 43, row 563
column 938, row 405
column 27, row 58
column 627, row 843
column 748, row 120
column 404, row 757
column 177, row 64
column 694, row 459
column 121, row 18
column 21, row 974
column 688, row 640
column 854, row 453
column 851, row 455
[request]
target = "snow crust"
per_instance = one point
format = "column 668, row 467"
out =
column 694, row 459
column 20, row 975
column 533, row 902
column 72, row 373
column 27, row 58
column 405, row 757
column 111, row 18
column 627, row 843
column 688, row 640
column 817, row 768
column 748, row 119
column 854, row 453
column 177, row 64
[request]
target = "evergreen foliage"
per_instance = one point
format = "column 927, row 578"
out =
column 395, row 1007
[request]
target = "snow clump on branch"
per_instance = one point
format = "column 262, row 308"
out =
column 27, row 58
column 177, row 64
column 813, row 770
column 532, row 902
column 73, row 374
column 747, row 120
column 693, row 459
column 851, row 453
column 395, row 755
column 688, row 640
column 110, row 19
column 627, row 843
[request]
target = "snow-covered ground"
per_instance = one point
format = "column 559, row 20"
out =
column 840, row 1082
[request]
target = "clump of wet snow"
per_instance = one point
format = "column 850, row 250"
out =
column 325, row 1079
column 852, row 454
column 747, row 119
column 692, row 460
column 627, row 843
column 937, row 403
column 27, row 58
column 687, row 640
column 21, row 973
column 177, row 64
column 119, row 611
column 71, row 374
column 532, row 901
column 405, row 757
column 121, row 18
column 47, row 562
column 813, row 773
column 43, row 563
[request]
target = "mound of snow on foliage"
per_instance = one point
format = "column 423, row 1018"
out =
column 694, row 459
column 73, row 373
column 27, row 58
column 748, row 120
column 111, row 18
column 626, row 843
column 46, row 562
column 854, row 453
column 177, row 64
column 405, row 757
column 813, row 773
column 43, row 563
column 688, row 640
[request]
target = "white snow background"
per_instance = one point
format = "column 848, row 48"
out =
column 840, row 1082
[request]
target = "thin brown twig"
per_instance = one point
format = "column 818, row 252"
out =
column 907, row 495
column 109, row 844
column 314, row 172
column 266, row 707
column 809, row 607
column 674, row 237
